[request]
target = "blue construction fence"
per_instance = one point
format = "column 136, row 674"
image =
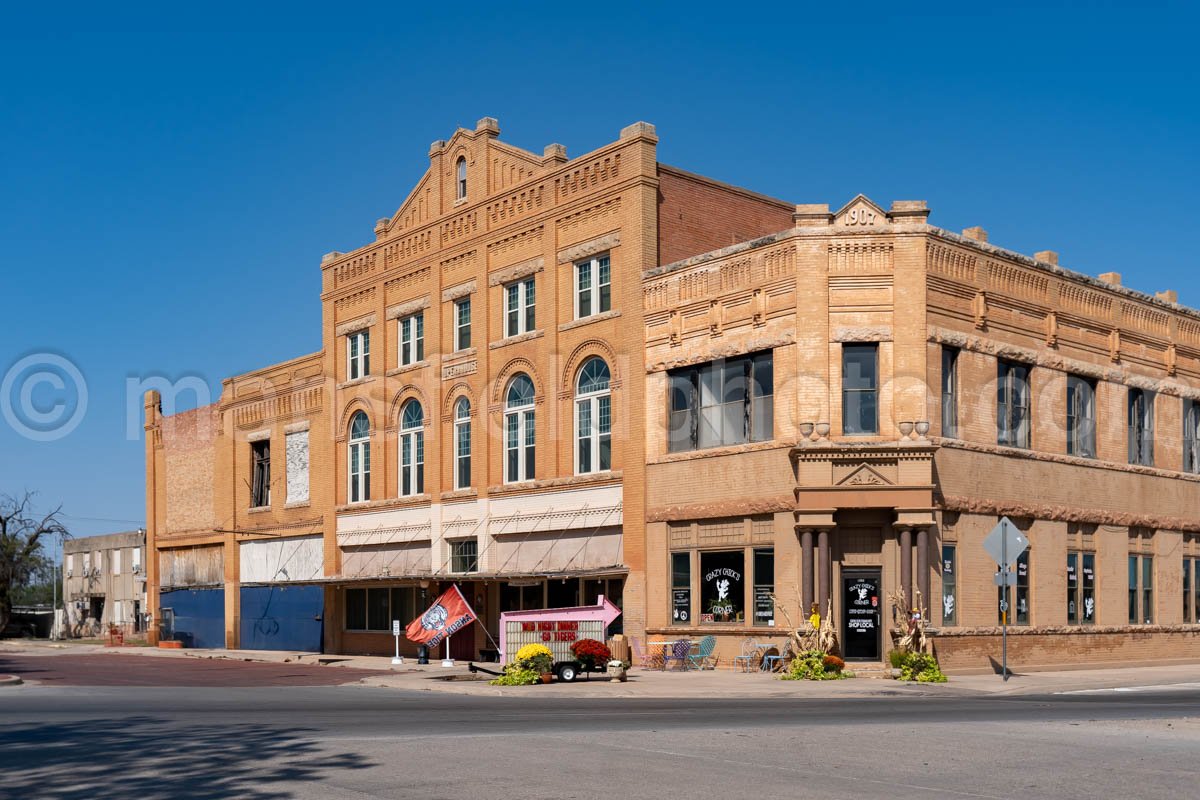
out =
column 273, row 617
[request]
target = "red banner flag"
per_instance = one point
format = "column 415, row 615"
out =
column 449, row 614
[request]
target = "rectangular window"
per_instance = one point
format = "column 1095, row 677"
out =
column 721, row 403
column 519, row 304
column 1081, row 588
column 1196, row 590
column 1141, row 427
column 1191, row 436
column 681, row 588
column 404, row 605
column 1187, row 591
column 860, row 389
column 462, row 323
column 379, row 616
column 1012, row 405
column 356, row 609
column 593, row 287
column 358, row 358
column 412, row 339
column 1081, row 417
column 950, row 392
column 260, row 483
column 295, row 451
column 1018, row 608
column 137, row 559
column 116, row 561
column 1141, row 590
column 949, row 585
column 464, row 556
column 722, row 588
column 764, row 586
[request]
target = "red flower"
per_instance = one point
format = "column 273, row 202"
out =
column 591, row 650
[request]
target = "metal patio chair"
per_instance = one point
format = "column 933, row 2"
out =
column 748, row 659
column 681, row 653
column 703, row 657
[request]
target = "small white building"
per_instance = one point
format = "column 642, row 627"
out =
column 104, row 583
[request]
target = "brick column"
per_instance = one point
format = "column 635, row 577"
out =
column 906, row 567
column 806, row 571
column 923, row 567
column 823, row 570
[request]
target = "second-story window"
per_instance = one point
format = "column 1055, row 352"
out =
column 412, row 339
column 1141, row 427
column 412, row 449
column 1012, row 405
column 519, row 431
column 462, row 444
column 1191, row 436
column 260, row 483
column 721, row 403
column 593, row 418
column 462, row 323
column 519, row 301
column 593, row 287
column 358, row 355
column 1081, row 417
column 359, row 458
column 860, row 389
column 460, row 178
column 950, row 392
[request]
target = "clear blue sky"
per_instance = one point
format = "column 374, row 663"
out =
column 157, row 182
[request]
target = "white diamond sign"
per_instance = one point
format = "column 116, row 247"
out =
column 1005, row 543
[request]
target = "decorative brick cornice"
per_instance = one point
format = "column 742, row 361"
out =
column 406, row 309
column 727, row 508
column 355, row 325
column 517, row 271
column 461, row 290
column 589, row 248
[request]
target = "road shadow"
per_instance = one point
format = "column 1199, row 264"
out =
column 146, row 758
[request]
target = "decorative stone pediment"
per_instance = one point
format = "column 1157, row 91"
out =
column 865, row 475
column 860, row 213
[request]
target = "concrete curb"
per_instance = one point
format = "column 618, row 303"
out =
column 10, row 680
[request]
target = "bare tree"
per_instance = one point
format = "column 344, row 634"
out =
column 22, row 535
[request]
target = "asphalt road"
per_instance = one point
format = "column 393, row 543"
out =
column 263, row 742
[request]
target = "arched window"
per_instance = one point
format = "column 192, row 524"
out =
column 1191, row 438
column 593, row 418
column 462, row 444
column 412, row 449
column 360, row 458
column 461, row 173
column 519, row 432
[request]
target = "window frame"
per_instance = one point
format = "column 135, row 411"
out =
column 1141, row 427
column 411, row 445
column 1014, row 594
column 457, row 564
column 460, row 178
column 521, row 318
column 358, row 354
column 597, row 404
column 1078, row 589
column 1081, row 411
column 681, row 582
column 950, row 556
column 462, row 323
column 411, row 338
column 1191, row 436
column 598, row 269
column 462, row 435
column 260, row 474
column 950, row 391
column 849, row 348
column 697, row 417
column 358, row 484
column 1014, row 408
column 1141, row 589
column 520, row 457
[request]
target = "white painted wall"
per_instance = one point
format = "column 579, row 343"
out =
column 281, row 560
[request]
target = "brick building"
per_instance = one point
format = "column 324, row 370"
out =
column 548, row 379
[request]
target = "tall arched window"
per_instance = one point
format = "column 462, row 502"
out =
column 360, row 458
column 460, row 172
column 593, row 418
column 1191, row 440
column 412, row 449
column 519, row 432
column 462, row 444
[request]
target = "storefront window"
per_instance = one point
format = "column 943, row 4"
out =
column 949, row 585
column 1017, row 609
column 764, row 586
column 681, row 588
column 1081, row 588
column 722, row 587
column 1141, row 590
column 374, row 609
column 564, row 593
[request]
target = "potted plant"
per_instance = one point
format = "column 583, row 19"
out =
column 589, row 653
column 619, row 671
column 537, row 658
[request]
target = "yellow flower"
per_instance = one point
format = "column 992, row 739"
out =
column 531, row 651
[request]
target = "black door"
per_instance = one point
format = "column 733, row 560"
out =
column 861, row 604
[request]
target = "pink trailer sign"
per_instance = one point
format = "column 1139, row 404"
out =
column 557, row 628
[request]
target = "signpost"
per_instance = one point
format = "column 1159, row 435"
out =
column 396, row 633
column 1005, row 544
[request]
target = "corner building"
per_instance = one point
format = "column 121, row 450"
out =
column 549, row 379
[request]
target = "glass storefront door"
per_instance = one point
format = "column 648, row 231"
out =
column 861, row 615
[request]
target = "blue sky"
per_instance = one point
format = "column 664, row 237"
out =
column 160, row 173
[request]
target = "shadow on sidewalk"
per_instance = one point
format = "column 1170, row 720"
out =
column 147, row 758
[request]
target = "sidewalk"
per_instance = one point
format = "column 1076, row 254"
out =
column 655, row 684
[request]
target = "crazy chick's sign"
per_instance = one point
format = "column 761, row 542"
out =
column 449, row 614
